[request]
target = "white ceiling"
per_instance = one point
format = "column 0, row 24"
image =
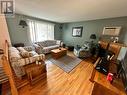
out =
column 72, row 10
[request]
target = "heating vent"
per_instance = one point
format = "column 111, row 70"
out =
column 111, row 31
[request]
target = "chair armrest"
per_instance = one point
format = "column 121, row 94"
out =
column 36, row 46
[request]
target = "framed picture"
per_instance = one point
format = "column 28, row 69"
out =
column 77, row 31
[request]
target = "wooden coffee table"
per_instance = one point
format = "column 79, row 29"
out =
column 57, row 53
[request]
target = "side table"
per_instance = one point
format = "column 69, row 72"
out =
column 35, row 72
column 70, row 48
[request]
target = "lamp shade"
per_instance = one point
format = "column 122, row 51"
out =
column 23, row 23
column 92, row 36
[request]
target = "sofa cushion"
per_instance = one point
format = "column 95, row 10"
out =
column 28, row 54
column 42, row 44
column 21, row 49
column 13, row 49
column 36, row 46
column 25, row 54
column 51, row 47
column 58, row 42
column 54, row 46
column 50, row 42
column 14, row 54
column 29, row 48
column 32, row 53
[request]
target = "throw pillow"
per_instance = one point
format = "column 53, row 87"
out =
column 21, row 49
column 25, row 54
column 14, row 56
column 41, row 45
column 28, row 48
column 32, row 53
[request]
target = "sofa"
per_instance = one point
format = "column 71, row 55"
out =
column 22, row 56
column 46, row 46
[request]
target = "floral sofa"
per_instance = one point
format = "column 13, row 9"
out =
column 46, row 46
column 22, row 56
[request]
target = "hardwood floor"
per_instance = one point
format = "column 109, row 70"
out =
column 59, row 82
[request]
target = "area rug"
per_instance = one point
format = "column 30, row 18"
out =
column 98, row 89
column 67, row 63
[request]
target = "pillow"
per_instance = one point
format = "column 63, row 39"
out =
column 25, row 54
column 14, row 56
column 58, row 42
column 13, row 49
column 21, row 49
column 40, row 45
column 28, row 54
column 36, row 46
column 32, row 53
column 50, row 42
column 29, row 48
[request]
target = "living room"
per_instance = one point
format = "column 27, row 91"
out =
column 61, row 48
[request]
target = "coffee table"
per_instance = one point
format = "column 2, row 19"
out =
column 57, row 53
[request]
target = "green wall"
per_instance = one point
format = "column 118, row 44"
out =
column 93, row 26
column 20, row 35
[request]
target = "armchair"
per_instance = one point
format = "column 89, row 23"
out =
column 84, row 51
column 87, row 50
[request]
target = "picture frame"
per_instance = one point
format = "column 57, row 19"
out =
column 77, row 31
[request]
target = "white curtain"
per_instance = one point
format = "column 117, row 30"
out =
column 40, row 31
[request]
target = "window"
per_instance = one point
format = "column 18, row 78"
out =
column 40, row 31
